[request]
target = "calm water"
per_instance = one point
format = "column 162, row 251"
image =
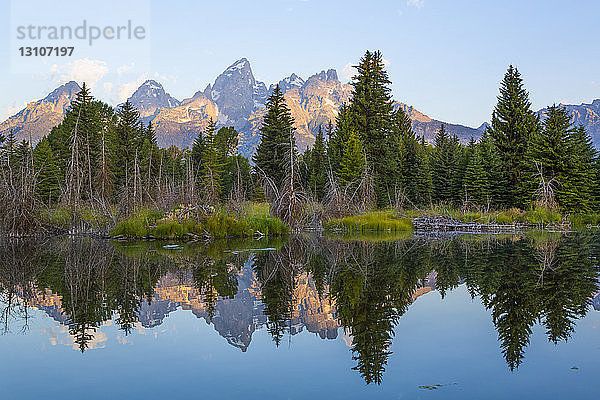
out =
column 307, row 317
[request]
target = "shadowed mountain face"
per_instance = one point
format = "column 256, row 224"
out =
column 308, row 283
column 237, row 99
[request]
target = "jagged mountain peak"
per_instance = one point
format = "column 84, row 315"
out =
column 70, row 89
column 241, row 64
column 237, row 94
column 151, row 96
column 329, row 75
column 288, row 83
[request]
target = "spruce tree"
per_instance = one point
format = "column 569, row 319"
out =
column 413, row 171
column 337, row 138
column 47, row 172
column 371, row 108
column 317, row 164
column 352, row 165
column 129, row 132
column 513, row 125
column 475, row 180
column 564, row 155
column 444, row 167
column 197, row 152
column 581, row 171
column 494, row 176
column 211, row 166
column 277, row 138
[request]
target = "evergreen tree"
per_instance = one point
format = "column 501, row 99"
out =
column 444, row 167
column 337, row 138
column 475, row 181
column 317, row 164
column 581, row 171
column 197, row 152
column 413, row 175
column 277, row 138
column 353, row 161
column 371, row 108
column 47, row 170
column 237, row 176
column 564, row 156
column 211, row 166
column 513, row 125
column 129, row 133
column 494, row 177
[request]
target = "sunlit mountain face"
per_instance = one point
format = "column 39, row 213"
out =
column 356, row 291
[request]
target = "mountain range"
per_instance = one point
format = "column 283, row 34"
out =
column 237, row 99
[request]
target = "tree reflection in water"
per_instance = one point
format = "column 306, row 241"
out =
column 523, row 280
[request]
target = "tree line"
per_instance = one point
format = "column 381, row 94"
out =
column 369, row 158
column 520, row 161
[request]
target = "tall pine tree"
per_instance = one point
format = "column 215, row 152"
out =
column 513, row 126
column 277, row 138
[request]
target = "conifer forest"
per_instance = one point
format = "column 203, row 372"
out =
column 101, row 171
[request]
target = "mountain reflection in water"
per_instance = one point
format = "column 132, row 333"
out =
column 302, row 283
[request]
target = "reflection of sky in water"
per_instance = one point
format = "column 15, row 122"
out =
column 451, row 343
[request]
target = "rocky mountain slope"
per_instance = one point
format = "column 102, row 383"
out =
column 38, row 117
column 236, row 98
column 150, row 97
column 587, row 115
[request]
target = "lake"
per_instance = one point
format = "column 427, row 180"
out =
column 452, row 317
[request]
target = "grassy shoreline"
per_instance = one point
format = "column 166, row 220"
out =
column 255, row 220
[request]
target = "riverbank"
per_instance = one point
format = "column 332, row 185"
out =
column 188, row 223
column 447, row 219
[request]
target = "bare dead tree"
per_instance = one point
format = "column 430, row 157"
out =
column 545, row 192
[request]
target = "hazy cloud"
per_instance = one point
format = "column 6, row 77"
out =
column 125, row 68
column 415, row 3
column 126, row 90
column 11, row 110
column 108, row 87
column 82, row 70
column 348, row 72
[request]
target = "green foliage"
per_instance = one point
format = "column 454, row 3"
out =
column 317, row 167
column 444, row 166
column 152, row 223
column 212, row 165
column 277, row 138
column 371, row 110
column 414, row 175
column 373, row 221
column 475, row 181
column 513, row 126
column 48, row 178
column 353, row 161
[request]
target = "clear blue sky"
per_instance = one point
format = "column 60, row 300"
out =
column 444, row 57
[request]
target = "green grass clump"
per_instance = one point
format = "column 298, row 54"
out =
column 584, row 220
column 542, row 216
column 152, row 223
column 376, row 221
column 139, row 224
column 268, row 225
column 63, row 217
column 257, row 210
